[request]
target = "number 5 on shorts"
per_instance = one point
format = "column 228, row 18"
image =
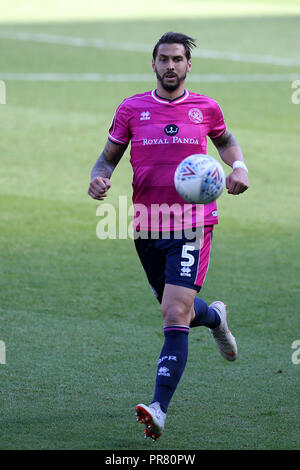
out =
column 188, row 256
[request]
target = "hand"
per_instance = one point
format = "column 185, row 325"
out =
column 237, row 182
column 99, row 187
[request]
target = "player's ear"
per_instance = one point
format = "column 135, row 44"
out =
column 189, row 65
column 153, row 65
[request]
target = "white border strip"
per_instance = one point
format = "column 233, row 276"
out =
column 138, row 47
column 125, row 78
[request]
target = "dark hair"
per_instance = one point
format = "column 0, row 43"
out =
column 178, row 38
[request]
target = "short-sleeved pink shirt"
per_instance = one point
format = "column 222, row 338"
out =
column 162, row 134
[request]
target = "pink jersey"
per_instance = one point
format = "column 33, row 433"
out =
column 162, row 134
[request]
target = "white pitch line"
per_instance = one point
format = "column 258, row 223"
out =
column 139, row 47
column 250, row 58
column 76, row 41
column 125, row 78
column 76, row 77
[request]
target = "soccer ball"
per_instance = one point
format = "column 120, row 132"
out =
column 199, row 179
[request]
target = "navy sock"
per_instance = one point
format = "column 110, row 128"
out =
column 171, row 364
column 204, row 315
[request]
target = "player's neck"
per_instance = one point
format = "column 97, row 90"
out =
column 170, row 95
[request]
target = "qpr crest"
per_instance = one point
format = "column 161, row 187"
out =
column 195, row 115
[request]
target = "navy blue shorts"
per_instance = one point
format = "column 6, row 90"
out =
column 180, row 262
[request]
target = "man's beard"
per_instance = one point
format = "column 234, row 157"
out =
column 170, row 86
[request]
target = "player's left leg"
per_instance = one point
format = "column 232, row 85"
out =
column 204, row 315
column 213, row 316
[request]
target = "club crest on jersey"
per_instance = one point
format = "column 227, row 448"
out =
column 195, row 115
column 171, row 129
column 145, row 116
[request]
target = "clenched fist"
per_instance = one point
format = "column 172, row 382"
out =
column 98, row 188
column 237, row 182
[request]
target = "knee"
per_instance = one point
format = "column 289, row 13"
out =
column 176, row 314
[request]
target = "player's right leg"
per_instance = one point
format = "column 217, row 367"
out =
column 153, row 418
column 153, row 262
column 177, row 306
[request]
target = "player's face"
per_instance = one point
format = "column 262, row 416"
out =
column 171, row 65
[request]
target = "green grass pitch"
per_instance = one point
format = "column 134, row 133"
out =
column 81, row 327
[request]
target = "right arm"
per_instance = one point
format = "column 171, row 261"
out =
column 103, row 169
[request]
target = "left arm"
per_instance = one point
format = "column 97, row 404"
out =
column 230, row 152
